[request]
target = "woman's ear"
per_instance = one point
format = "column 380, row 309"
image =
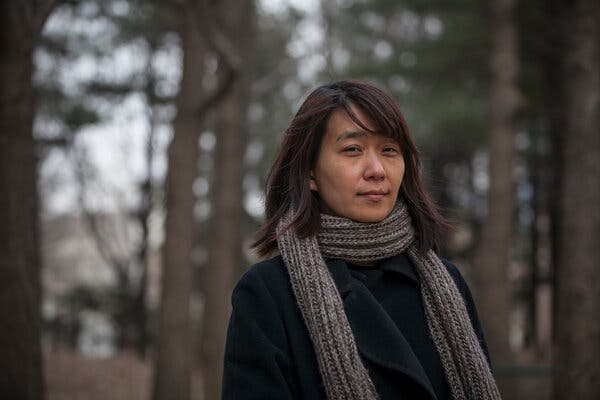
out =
column 313, row 182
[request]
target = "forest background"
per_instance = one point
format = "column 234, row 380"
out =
column 135, row 140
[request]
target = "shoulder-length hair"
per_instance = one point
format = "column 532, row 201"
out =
column 288, row 181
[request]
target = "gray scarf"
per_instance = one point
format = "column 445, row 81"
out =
column 343, row 373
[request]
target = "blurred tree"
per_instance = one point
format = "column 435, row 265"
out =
column 576, row 366
column 173, row 357
column 494, row 252
column 541, row 48
column 173, row 362
column 149, row 200
column 20, row 359
column 224, row 251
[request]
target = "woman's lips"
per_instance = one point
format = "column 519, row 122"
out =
column 373, row 196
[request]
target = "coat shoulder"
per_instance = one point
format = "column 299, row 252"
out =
column 268, row 267
column 456, row 275
column 464, row 290
column 462, row 286
column 266, row 270
column 268, row 275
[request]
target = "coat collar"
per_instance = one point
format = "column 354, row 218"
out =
column 377, row 337
column 398, row 264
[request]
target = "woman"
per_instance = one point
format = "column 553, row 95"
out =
column 357, row 305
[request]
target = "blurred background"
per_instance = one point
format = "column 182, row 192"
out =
column 136, row 136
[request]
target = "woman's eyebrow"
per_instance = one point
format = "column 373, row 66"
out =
column 349, row 135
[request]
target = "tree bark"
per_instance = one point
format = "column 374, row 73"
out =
column 225, row 240
column 577, row 351
column 492, row 257
column 20, row 356
column 174, row 355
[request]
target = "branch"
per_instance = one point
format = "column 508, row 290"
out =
column 61, row 142
column 218, row 93
column 101, row 243
column 216, row 39
column 220, row 43
column 40, row 15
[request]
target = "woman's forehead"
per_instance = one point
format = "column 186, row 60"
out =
column 341, row 125
column 352, row 119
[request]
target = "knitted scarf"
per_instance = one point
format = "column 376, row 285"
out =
column 343, row 373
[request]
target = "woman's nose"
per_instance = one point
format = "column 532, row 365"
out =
column 374, row 168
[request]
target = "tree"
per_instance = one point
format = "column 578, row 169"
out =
column 20, row 360
column 576, row 368
column 173, row 362
column 493, row 255
column 541, row 46
column 237, row 20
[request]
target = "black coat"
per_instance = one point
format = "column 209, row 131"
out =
column 269, row 354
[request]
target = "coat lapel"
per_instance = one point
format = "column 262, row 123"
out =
column 376, row 335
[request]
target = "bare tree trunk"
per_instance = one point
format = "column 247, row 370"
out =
column 553, row 100
column 20, row 354
column 174, row 358
column 577, row 352
column 226, row 238
column 140, row 312
column 529, row 291
column 492, row 258
column 174, row 350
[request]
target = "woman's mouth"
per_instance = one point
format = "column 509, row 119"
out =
column 373, row 195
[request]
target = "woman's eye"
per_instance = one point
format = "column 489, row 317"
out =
column 352, row 149
column 390, row 150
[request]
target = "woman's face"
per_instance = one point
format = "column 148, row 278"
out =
column 357, row 174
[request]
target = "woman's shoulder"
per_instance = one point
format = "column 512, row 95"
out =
column 463, row 287
column 268, row 275
column 460, row 282
column 454, row 272
column 272, row 268
column 451, row 267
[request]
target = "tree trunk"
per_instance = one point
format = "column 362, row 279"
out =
column 20, row 357
column 576, row 365
column 492, row 258
column 225, row 240
column 147, row 189
column 554, row 111
column 174, row 355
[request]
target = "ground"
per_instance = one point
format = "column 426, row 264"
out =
column 70, row 376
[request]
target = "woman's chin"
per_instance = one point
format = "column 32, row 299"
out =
column 370, row 216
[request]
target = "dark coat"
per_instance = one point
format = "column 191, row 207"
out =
column 269, row 354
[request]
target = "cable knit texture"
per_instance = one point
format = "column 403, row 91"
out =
column 343, row 373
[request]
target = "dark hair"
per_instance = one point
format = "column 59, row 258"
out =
column 288, row 181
